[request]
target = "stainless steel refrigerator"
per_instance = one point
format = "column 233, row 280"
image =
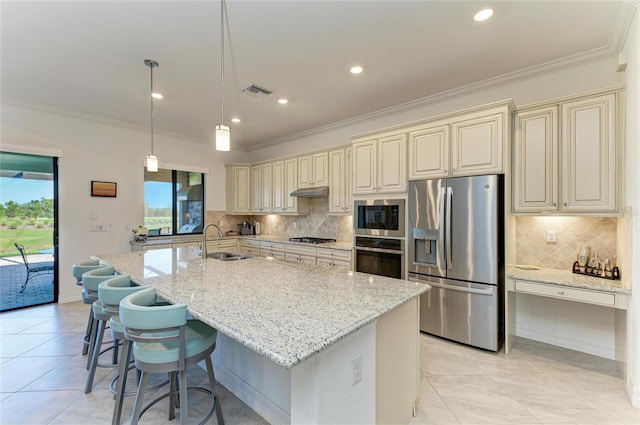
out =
column 456, row 228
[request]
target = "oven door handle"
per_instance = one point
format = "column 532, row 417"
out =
column 384, row 251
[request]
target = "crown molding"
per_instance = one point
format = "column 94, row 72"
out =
column 567, row 62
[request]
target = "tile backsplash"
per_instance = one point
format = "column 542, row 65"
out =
column 572, row 234
column 318, row 223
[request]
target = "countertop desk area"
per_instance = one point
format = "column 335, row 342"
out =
column 568, row 286
column 299, row 344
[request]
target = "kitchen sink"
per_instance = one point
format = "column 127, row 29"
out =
column 228, row 256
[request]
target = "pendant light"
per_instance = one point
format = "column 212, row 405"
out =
column 152, row 160
column 223, row 132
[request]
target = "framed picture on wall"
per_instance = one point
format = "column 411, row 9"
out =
column 103, row 189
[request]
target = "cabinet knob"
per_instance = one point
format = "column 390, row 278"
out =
column 554, row 204
column 565, row 204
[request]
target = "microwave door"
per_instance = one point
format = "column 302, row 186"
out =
column 427, row 231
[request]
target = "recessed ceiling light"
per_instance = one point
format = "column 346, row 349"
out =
column 483, row 15
column 157, row 95
column 235, row 120
column 283, row 101
column 356, row 70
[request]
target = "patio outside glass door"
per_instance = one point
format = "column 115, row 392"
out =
column 28, row 230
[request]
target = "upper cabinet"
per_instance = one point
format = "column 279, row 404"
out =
column 429, row 152
column 261, row 188
column 238, row 189
column 477, row 141
column 340, row 177
column 380, row 164
column 285, row 181
column 535, row 155
column 567, row 156
column 462, row 144
column 313, row 170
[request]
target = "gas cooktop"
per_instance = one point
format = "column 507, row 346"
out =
column 308, row 239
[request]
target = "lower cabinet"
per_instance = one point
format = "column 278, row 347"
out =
column 300, row 254
column 222, row 245
column 274, row 250
column 249, row 247
column 336, row 259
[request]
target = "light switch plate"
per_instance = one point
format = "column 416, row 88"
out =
column 552, row 236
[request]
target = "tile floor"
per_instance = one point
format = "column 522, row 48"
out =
column 42, row 378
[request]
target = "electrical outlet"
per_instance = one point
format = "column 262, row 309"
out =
column 126, row 228
column 356, row 369
column 295, row 224
column 552, row 236
column 221, row 224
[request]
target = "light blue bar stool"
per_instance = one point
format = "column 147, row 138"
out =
column 165, row 341
column 78, row 269
column 110, row 292
column 90, row 282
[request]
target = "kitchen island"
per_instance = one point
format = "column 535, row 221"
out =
column 299, row 344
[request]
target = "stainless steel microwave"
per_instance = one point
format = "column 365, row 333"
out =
column 379, row 217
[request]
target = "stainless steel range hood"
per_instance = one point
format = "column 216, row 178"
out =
column 311, row 192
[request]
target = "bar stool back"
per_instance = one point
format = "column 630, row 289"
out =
column 165, row 341
column 90, row 282
column 78, row 269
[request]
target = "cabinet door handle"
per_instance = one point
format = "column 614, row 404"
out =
column 560, row 292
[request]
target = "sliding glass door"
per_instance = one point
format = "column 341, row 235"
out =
column 28, row 230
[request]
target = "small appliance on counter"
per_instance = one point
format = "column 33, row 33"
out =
column 245, row 228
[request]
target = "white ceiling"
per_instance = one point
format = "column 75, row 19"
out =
column 87, row 56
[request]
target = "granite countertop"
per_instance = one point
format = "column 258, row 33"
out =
column 345, row 246
column 568, row 278
column 267, row 305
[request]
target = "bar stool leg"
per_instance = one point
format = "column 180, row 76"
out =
column 137, row 406
column 95, row 355
column 87, row 335
column 212, row 384
column 123, row 367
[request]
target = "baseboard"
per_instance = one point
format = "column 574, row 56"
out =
column 250, row 396
column 585, row 346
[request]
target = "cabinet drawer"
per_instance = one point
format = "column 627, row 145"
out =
column 334, row 253
column 301, row 249
column 221, row 245
column 278, row 246
column 250, row 243
column 563, row 292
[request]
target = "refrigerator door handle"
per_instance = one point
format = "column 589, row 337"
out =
column 488, row 291
column 441, row 229
column 448, row 231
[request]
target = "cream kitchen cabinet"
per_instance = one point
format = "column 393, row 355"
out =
column 535, row 156
column 340, row 177
column 238, row 189
column 313, row 170
column 380, row 164
column 335, row 259
column 261, row 188
column 589, row 154
column 566, row 156
column 300, row 254
column 271, row 249
column 429, row 151
column 285, row 181
column 477, row 141
column 250, row 246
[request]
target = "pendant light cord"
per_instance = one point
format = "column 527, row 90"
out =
column 153, row 65
column 222, row 62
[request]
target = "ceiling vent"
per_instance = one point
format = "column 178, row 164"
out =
column 256, row 91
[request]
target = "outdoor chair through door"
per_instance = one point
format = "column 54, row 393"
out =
column 34, row 270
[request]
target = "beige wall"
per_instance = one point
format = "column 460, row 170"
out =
column 572, row 233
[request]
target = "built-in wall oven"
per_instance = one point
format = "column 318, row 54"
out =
column 380, row 256
column 379, row 217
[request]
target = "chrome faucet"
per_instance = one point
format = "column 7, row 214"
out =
column 204, row 238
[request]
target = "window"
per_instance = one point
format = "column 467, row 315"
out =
column 173, row 202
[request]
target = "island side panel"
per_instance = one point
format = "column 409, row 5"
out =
column 398, row 364
column 260, row 383
column 322, row 389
